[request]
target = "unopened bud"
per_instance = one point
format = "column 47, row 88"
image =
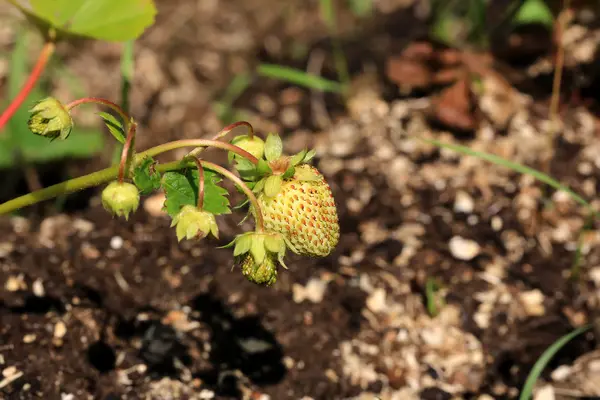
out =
column 192, row 223
column 49, row 118
column 121, row 199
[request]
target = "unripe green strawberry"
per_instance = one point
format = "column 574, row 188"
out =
column 263, row 273
column 254, row 145
column 304, row 212
column 121, row 198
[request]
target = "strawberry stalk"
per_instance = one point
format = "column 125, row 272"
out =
column 258, row 214
column 177, row 144
column 200, row 183
column 127, row 152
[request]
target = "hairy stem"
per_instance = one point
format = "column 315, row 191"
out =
column 200, row 182
column 35, row 74
column 108, row 174
column 127, row 153
column 561, row 26
column 224, row 132
column 75, row 185
column 260, row 225
column 178, row 144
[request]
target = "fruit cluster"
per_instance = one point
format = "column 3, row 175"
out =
column 289, row 200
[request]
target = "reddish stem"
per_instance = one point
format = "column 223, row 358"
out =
column 125, row 153
column 35, row 74
column 97, row 100
column 200, row 183
column 225, row 131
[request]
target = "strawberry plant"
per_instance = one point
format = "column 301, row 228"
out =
column 289, row 200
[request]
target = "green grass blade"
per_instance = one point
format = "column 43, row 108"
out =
column 327, row 10
column 299, row 77
column 126, row 73
column 224, row 107
column 328, row 13
column 540, row 176
column 545, row 358
column 361, row 8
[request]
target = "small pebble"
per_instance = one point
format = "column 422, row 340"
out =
column 376, row 300
column 5, row 249
column 116, row 242
column 532, row 301
column 463, row 249
column 545, row 393
column 463, row 203
column 206, row 394
column 38, row 288
column 15, row 283
column 60, row 330
column 595, row 276
column 496, row 223
column 29, row 338
column 9, row 371
column 313, row 291
column 561, row 373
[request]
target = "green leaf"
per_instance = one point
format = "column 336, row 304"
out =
column 181, row 188
column 114, row 126
column 545, row 358
column 534, row 12
column 299, row 77
column 224, row 107
column 111, row 20
column 297, row 158
column 145, row 176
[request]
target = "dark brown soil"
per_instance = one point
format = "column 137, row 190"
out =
column 98, row 308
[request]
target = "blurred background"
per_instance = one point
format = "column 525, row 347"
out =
column 444, row 128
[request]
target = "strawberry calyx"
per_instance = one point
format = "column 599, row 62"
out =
column 274, row 169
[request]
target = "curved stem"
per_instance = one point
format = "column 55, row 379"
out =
column 97, row 100
column 260, row 225
column 35, row 74
column 225, row 131
column 200, row 182
column 178, row 144
column 127, row 152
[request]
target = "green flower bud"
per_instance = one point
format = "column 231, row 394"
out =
column 259, row 254
column 264, row 273
column 193, row 223
column 254, row 146
column 121, row 199
column 51, row 119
